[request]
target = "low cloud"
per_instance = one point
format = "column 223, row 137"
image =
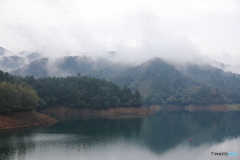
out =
column 135, row 31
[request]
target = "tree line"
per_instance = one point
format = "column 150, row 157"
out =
column 18, row 93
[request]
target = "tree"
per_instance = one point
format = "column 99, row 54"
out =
column 15, row 97
column 137, row 94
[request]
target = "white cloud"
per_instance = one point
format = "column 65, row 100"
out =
column 136, row 29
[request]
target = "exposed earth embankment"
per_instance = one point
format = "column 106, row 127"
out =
column 24, row 119
column 60, row 110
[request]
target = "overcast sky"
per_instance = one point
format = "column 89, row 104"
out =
column 136, row 29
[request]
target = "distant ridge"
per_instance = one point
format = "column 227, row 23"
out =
column 161, row 83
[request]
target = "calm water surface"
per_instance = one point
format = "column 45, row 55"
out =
column 162, row 136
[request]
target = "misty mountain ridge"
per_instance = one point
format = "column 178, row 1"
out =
column 25, row 58
column 36, row 68
column 32, row 63
column 143, row 76
column 10, row 62
column 4, row 51
column 159, row 81
column 71, row 66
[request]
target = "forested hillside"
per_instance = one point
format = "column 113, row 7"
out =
column 153, row 82
column 16, row 96
column 162, row 83
column 17, row 93
column 227, row 82
column 107, row 72
column 83, row 91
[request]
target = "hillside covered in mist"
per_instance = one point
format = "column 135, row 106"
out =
column 158, row 81
column 161, row 83
column 71, row 66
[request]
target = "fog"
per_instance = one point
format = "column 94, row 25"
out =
column 177, row 31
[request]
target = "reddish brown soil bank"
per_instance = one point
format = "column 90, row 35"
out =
column 109, row 111
column 24, row 119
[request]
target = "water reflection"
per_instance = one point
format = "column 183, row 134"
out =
column 203, row 151
column 160, row 136
column 164, row 131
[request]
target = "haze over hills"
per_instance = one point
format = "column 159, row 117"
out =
column 134, row 34
column 10, row 62
column 33, row 63
column 23, row 62
column 72, row 63
column 3, row 52
column 71, row 66
column 158, row 81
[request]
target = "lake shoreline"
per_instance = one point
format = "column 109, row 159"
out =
column 62, row 110
column 24, row 119
column 196, row 108
column 27, row 119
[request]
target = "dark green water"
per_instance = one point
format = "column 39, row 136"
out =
column 160, row 136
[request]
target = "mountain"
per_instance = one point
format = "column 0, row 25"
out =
column 37, row 68
column 30, row 56
column 71, row 66
column 107, row 72
column 161, row 83
column 214, row 77
column 10, row 62
column 157, row 81
column 4, row 51
column 65, row 66
column 211, row 75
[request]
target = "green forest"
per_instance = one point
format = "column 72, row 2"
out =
column 18, row 93
column 161, row 83
column 152, row 82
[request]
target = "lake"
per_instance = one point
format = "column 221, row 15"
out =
column 164, row 135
